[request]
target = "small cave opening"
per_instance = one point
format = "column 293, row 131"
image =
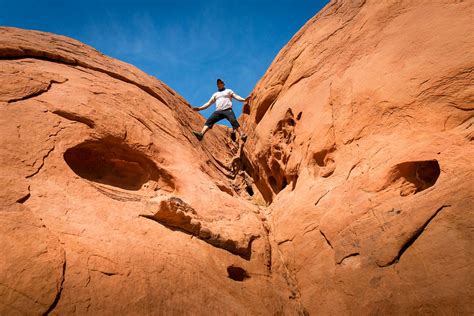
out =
column 298, row 117
column 237, row 273
column 287, row 120
column 320, row 158
column 249, row 190
column 290, row 121
column 415, row 176
column 322, row 162
column 110, row 162
column 428, row 171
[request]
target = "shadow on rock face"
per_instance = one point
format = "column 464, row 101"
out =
column 415, row 176
column 113, row 163
column 175, row 214
column 237, row 273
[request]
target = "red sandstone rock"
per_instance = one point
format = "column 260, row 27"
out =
column 360, row 136
column 358, row 159
column 88, row 145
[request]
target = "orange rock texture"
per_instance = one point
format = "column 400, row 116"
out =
column 110, row 205
column 360, row 137
column 352, row 195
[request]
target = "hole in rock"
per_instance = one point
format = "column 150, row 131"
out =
column 284, row 183
column 416, row 176
column 298, row 117
column 110, row 162
column 323, row 163
column 286, row 121
column 249, row 190
column 320, row 158
column 24, row 198
column 237, row 273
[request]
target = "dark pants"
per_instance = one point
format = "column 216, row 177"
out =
column 220, row 115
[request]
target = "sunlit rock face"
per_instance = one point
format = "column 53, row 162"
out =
column 109, row 202
column 352, row 194
column 360, row 137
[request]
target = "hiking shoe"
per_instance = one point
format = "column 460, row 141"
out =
column 198, row 135
column 233, row 137
column 243, row 137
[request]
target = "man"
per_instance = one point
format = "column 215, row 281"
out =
column 223, row 100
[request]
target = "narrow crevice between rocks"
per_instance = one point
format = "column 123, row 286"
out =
column 268, row 246
column 289, row 277
column 271, row 245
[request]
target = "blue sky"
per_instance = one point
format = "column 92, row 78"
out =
column 187, row 44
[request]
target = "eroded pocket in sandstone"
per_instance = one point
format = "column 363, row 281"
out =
column 323, row 162
column 112, row 163
column 237, row 273
column 414, row 176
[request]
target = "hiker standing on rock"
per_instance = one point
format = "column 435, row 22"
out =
column 223, row 100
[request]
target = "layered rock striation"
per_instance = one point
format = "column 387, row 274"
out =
column 352, row 195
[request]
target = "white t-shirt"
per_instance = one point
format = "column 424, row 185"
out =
column 223, row 99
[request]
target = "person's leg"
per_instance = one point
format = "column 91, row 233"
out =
column 205, row 128
column 241, row 134
column 236, row 130
column 230, row 116
column 215, row 117
column 232, row 135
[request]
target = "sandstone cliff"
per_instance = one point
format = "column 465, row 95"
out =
column 360, row 136
column 352, row 194
column 109, row 204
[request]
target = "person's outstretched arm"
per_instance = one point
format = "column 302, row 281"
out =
column 206, row 105
column 238, row 97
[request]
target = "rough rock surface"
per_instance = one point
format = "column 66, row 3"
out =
column 360, row 136
column 352, row 194
column 104, row 188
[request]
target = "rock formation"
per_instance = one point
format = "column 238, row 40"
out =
column 360, row 137
column 105, row 189
column 352, row 194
